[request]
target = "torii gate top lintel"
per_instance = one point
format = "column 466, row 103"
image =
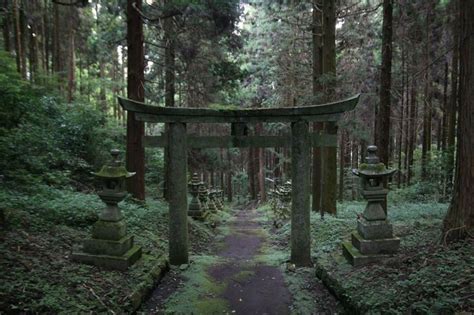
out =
column 323, row 112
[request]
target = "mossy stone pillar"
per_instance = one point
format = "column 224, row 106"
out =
column 178, row 194
column 300, row 210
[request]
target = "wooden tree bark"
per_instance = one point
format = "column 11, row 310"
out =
column 71, row 79
column 33, row 45
column 342, row 157
column 445, row 111
column 170, row 79
column 317, row 55
column 427, row 106
column 412, row 129
column 6, row 26
column 401, row 123
column 382, row 139
column 383, row 117
column 23, row 39
column 329, row 155
column 459, row 220
column 135, row 91
column 229, row 178
column 261, row 167
column 453, row 104
column 18, row 47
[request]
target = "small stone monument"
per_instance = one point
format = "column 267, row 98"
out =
column 109, row 246
column 374, row 238
column 194, row 210
column 203, row 201
column 211, row 203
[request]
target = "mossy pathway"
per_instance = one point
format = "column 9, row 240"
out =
column 243, row 274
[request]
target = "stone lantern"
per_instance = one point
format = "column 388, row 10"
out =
column 373, row 240
column 109, row 245
column 194, row 209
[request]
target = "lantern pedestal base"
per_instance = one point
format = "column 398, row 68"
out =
column 109, row 247
column 110, row 262
column 198, row 214
column 355, row 258
column 362, row 251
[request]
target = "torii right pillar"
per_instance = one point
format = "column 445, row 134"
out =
column 300, row 210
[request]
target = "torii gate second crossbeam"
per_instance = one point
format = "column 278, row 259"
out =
column 300, row 140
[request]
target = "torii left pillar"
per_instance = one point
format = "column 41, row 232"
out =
column 178, row 192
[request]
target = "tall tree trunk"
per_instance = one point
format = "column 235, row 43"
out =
column 354, row 165
column 261, row 167
column 427, row 106
column 102, row 94
column 18, row 47
column 342, row 157
column 71, row 86
column 56, row 51
column 33, row 47
column 383, row 118
column 317, row 55
column 46, row 37
column 401, row 122
column 252, row 173
column 329, row 155
column 444, row 125
column 23, row 39
column 459, row 221
column 413, row 129
column 170, row 90
column 135, row 91
column 6, row 25
column 453, row 104
column 229, row 178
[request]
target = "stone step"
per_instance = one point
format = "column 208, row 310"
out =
column 376, row 246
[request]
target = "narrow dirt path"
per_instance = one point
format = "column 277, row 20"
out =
column 252, row 287
column 243, row 275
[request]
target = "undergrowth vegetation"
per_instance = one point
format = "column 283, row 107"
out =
column 44, row 229
column 426, row 276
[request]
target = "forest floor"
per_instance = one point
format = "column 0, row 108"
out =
column 44, row 227
column 228, row 263
column 243, row 273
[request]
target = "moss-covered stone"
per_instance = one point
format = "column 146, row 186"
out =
column 106, row 230
column 110, row 262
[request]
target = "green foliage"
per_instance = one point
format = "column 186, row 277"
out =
column 43, row 139
column 424, row 277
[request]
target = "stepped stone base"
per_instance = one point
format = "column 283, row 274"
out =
column 108, row 247
column 356, row 258
column 198, row 215
column 110, row 262
column 377, row 246
column 374, row 229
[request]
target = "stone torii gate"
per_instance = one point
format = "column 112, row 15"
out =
column 300, row 140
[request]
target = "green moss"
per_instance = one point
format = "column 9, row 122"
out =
column 200, row 292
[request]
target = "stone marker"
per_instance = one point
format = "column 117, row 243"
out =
column 109, row 246
column 374, row 238
column 203, row 201
column 194, row 210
